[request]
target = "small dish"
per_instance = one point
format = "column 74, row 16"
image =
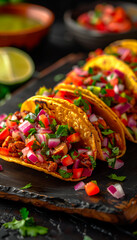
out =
column 27, row 38
column 91, row 39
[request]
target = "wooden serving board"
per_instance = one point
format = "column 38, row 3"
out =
column 54, row 194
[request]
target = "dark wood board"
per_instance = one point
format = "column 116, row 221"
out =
column 55, row 194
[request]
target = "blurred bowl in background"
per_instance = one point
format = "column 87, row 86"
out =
column 29, row 37
column 92, row 39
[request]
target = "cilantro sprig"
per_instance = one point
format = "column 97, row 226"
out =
column 26, row 226
column 81, row 102
column 65, row 174
column 29, row 185
column 31, row 132
column 115, row 177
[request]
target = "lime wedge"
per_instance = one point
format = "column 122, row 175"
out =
column 16, row 66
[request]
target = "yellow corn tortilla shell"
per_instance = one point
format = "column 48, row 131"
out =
column 101, row 109
column 131, row 44
column 108, row 62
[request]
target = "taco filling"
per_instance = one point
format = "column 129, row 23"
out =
column 39, row 139
column 110, row 87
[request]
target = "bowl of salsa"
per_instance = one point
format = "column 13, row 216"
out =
column 24, row 24
column 98, row 24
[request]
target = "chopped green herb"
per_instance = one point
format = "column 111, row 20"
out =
column 71, row 130
column 90, row 70
column 81, row 102
column 64, row 156
column 65, row 174
column 1, row 129
column 87, row 238
column 97, row 77
column 45, row 150
column 26, row 225
column 111, row 162
column 93, row 162
column 110, row 145
column 96, row 90
column 37, row 109
column 19, row 105
column 27, row 186
column 81, row 63
column 107, row 132
column 115, row 177
column 109, row 86
column 59, row 77
column 72, row 154
column 133, row 64
column 56, row 91
column 51, row 135
column 29, row 118
column 135, row 233
column 87, row 148
column 77, row 92
column 56, row 157
column 35, row 146
column 101, row 126
column 135, row 69
column 41, row 124
column 62, row 131
column 103, row 91
column 16, row 120
column 53, row 125
column 31, row 132
column 115, row 151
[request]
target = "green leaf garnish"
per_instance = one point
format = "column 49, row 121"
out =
column 93, row 162
column 97, row 77
column 115, row 177
column 62, row 131
column 81, row 102
column 87, row 238
column 45, row 150
column 77, row 92
column 111, row 162
column 53, row 125
column 56, row 157
column 37, row 109
column 135, row 69
column 31, row 132
column 29, row 118
column 35, row 146
column 26, row 225
column 59, row 77
column 81, row 63
column 90, row 70
column 115, row 151
column 73, row 156
column 27, row 186
column 107, row 132
column 65, row 174
column 16, row 120
column 41, row 124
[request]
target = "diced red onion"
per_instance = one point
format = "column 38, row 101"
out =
column 121, row 87
column 121, row 50
column 32, row 157
column 116, row 191
column 79, row 186
column 25, row 127
column 76, row 163
column 118, row 164
column 105, row 142
column 86, row 172
column 82, row 150
column 119, row 73
column 80, row 72
column 25, row 151
column 53, row 142
column 2, row 117
column 93, row 118
column 122, row 108
column 131, row 122
column 1, row 168
column 116, row 89
column 125, row 53
column 39, row 156
column 116, row 97
column 41, row 138
column 105, row 155
column 44, row 130
column 101, row 85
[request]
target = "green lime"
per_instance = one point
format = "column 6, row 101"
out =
column 16, row 66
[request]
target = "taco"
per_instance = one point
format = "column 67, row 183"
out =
column 113, row 82
column 49, row 136
column 126, row 50
column 110, row 138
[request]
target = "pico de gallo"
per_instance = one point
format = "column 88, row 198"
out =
column 111, row 142
column 109, row 87
column 106, row 18
column 40, row 140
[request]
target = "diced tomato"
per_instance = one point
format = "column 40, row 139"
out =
column 122, row 99
column 134, row 59
column 99, row 51
column 44, row 120
column 83, row 18
column 77, row 173
column 119, row 15
column 30, row 143
column 110, row 93
column 9, row 123
column 114, row 81
column 75, row 137
column 67, row 161
column 101, row 27
column 5, row 133
column 124, row 121
column 60, row 94
column 91, row 188
column 4, row 151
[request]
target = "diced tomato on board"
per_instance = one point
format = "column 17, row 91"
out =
column 5, row 133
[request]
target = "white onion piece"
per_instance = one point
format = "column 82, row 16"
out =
column 64, row 168
column 93, row 118
column 2, row 124
column 90, row 153
column 105, row 155
column 53, row 142
column 22, row 136
column 32, row 157
column 80, row 72
column 116, row 191
column 79, row 186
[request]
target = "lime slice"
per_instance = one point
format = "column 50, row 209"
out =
column 16, row 66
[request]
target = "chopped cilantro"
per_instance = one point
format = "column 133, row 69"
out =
column 65, row 174
column 35, row 146
column 64, row 156
column 115, row 177
column 101, row 126
column 93, row 162
column 27, row 186
column 1, row 129
column 97, row 77
column 115, row 151
column 135, row 69
column 53, row 125
column 111, row 162
column 87, row 238
column 51, row 135
column 109, row 86
column 107, row 132
column 110, row 145
column 81, row 102
column 90, row 70
column 59, row 77
column 37, row 109
column 29, row 118
column 56, row 91
column 41, row 124
column 26, row 225
column 133, row 64
column 56, row 157
column 87, row 148
column 103, row 91
column 31, row 132
column 72, row 154
column 45, row 150
column 19, row 105
column 77, row 92
column 16, row 120
column 62, row 131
